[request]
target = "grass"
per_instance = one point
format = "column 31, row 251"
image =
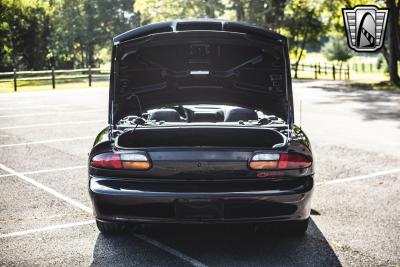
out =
column 362, row 68
column 28, row 86
column 371, row 77
column 375, row 81
column 354, row 76
column 384, row 86
column 316, row 57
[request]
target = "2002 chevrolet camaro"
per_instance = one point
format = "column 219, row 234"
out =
column 201, row 130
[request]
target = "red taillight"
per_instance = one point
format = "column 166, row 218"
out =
column 263, row 161
column 288, row 161
column 135, row 161
column 107, row 160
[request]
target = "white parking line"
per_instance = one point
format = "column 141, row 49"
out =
column 36, row 106
column 49, row 228
column 48, row 141
column 147, row 239
column 48, row 170
column 47, row 189
column 172, row 251
column 87, row 209
column 51, row 124
column 361, row 177
column 50, row 113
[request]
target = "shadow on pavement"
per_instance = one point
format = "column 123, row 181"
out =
column 217, row 245
column 381, row 105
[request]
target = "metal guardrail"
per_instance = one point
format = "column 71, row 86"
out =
column 315, row 71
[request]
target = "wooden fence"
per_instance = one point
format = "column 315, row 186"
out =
column 311, row 71
column 322, row 71
column 89, row 74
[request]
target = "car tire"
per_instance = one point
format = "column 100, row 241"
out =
column 110, row 228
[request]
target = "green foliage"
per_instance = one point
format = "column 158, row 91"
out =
column 61, row 33
column 267, row 13
column 152, row 11
column 337, row 49
column 24, row 31
column 37, row 34
column 304, row 26
column 83, row 28
column 67, row 41
column 332, row 12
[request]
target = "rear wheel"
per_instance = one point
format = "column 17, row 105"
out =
column 110, row 228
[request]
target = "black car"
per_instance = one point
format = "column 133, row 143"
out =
column 200, row 130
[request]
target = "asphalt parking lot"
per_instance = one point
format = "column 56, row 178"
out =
column 45, row 211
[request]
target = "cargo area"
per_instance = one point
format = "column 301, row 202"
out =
column 200, row 137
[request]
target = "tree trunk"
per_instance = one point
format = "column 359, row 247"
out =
column 296, row 66
column 82, row 56
column 239, row 8
column 89, row 9
column 393, row 29
column 398, row 29
column 210, row 9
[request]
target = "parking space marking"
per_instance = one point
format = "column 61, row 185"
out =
column 172, row 251
column 48, row 170
column 47, row 189
column 50, row 124
column 87, row 209
column 48, row 141
column 50, row 113
column 48, row 228
column 35, row 106
column 361, row 177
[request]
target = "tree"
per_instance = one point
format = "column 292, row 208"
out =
column 393, row 55
column 391, row 48
column 337, row 49
column 304, row 26
column 238, row 6
column 156, row 11
column 67, row 41
column 91, row 35
column 210, row 6
column 332, row 13
column 24, row 32
column 82, row 28
column 267, row 13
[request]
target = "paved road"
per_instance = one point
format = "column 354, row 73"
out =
column 44, row 218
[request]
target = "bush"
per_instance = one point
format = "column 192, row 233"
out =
column 337, row 49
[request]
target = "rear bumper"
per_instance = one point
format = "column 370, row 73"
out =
column 116, row 200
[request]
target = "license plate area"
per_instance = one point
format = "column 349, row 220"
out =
column 199, row 208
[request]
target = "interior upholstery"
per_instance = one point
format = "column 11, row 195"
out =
column 168, row 115
column 237, row 114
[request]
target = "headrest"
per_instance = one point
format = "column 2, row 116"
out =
column 168, row 114
column 237, row 114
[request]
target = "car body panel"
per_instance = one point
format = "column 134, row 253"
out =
column 245, row 65
column 122, row 200
column 207, row 182
column 150, row 196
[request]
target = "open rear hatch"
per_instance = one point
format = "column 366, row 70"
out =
column 198, row 62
